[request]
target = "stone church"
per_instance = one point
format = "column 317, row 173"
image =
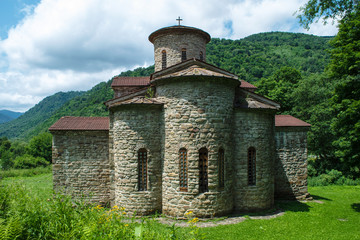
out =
column 189, row 137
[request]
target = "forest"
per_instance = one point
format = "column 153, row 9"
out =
column 314, row 78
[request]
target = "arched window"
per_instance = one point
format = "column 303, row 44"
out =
column 142, row 169
column 201, row 56
column 203, row 170
column 221, row 166
column 251, row 166
column 183, row 54
column 163, row 59
column 183, row 177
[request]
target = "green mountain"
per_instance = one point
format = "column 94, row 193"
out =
column 252, row 58
column 6, row 115
column 260, row 55
column 27, row 124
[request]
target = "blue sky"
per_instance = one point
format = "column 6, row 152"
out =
column 49, row 46
column 11, row 12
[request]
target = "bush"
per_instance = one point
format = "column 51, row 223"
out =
column 6, row 161
column 40, row 146
column 312, row 172
column 24, row 215
column 332, row 177
column 27, row 161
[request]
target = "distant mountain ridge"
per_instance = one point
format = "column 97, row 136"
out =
column 25, row 126
column 252, row 58
column 7, row 115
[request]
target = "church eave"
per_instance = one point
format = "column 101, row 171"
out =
column 183, row 66
column 250, row 100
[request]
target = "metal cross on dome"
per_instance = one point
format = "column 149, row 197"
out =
column 179, row 19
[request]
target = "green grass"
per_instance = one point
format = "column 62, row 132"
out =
column 337, row 216
column 39, row 185
column 25, row 172
column 30, row 210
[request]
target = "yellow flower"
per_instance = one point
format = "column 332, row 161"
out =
column 188, row 213
column 194, row 220
column 126, row 225
column 98, row 207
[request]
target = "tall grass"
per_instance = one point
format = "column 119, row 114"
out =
column 27, row 214
column 25, row 172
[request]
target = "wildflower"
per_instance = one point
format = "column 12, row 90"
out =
column 194, row 220
column 98, row 207
column 126, row 225
column 188, row 213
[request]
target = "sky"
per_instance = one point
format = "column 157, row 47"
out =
column 48, row 46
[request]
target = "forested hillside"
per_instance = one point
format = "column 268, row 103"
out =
column 252, row 58
column 26, row 126
column 6, row 116
column 260, row 55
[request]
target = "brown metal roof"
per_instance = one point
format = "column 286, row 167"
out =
column 195, row 71
column 130, row 81
column 289, row 121
column 136, row 100
column 187, row 64
column 245, row 84
column 81, row 123
column 145, row 81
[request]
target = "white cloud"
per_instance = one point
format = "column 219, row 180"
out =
column 64, row 45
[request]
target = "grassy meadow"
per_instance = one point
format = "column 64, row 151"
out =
column 28, row 209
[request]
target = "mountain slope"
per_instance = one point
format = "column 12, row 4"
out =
column 6, row 115
column 260, row 55
column 252, row 58
column 23, row 127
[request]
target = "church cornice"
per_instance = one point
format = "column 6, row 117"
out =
column 178, row 29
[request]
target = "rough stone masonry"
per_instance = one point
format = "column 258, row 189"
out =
column 190, row 137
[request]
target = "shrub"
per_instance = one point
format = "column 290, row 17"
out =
column 27, row 161
column 40, row 146
column 332, row 177
column 26, row 216
column 6, row 161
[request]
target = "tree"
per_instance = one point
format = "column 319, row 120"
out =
column 345, row 55
column 313, row 10
column 346, row 125
column 345, row 65
column 40, row 146
column 280, row 86
column 5, row 153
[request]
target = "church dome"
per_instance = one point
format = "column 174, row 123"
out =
column 175, row 44
column 178, row 29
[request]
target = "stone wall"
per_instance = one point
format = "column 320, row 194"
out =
column 134, row 127
column 173, row 43
column 291, row 163
column 254, row 128
column 81, row 164
column 198, row 113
